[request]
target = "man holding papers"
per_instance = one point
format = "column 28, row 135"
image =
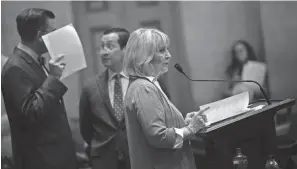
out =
column 33, row 97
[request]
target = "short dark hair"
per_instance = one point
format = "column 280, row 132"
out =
column 30, row 21
column 122, row 33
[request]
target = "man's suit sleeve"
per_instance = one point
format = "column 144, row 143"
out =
column 84, row 116
column 151, row 115
column 32, row 102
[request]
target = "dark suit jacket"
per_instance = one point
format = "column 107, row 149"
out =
column 40, row 133
column 98, row 125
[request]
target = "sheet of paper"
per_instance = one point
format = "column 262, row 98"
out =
column 254, row 70
column 226, row 108
column 66, row 41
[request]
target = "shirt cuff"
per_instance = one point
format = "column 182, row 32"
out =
column 179, row 138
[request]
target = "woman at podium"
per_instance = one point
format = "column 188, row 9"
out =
column 156, row 130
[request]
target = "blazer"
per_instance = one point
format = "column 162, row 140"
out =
column 40, row 133
column 150, row 122
column 98, row 124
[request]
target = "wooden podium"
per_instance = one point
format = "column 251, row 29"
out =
column 253, row 132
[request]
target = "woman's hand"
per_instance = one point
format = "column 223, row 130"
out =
column 190, row 115
column 198, row 120
column 188, row 118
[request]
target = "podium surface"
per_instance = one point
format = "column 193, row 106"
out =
column 253, row 132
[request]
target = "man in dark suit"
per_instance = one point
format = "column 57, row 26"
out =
column 33, row 97
column 102, row 123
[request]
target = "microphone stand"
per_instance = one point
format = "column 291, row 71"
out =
column 179, row 69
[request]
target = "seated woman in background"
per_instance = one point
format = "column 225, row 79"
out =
column 158, row 135
column 245, row 66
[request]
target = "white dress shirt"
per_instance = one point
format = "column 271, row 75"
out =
column 111, row 81
column 179, row 132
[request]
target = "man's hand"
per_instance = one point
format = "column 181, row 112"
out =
column 56, row 66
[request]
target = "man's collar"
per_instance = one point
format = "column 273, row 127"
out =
column 29, row 51
column 151, row 78
column 111, row 74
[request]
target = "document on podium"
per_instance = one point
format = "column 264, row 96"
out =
column 66, row 41
column 226, row 108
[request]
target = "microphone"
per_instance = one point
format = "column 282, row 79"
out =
column 180, row 69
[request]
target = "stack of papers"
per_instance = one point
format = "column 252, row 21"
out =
column 226, row 108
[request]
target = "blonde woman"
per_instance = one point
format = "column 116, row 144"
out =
column 157, row 132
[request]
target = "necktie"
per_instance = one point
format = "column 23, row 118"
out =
column 118, row 98
column 41, row 61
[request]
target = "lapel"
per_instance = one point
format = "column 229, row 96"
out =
column 33, row 64
column 102, row 84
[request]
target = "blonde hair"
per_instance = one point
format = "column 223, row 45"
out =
column 140, row 50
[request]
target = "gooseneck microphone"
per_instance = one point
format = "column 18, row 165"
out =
column 180, row 69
